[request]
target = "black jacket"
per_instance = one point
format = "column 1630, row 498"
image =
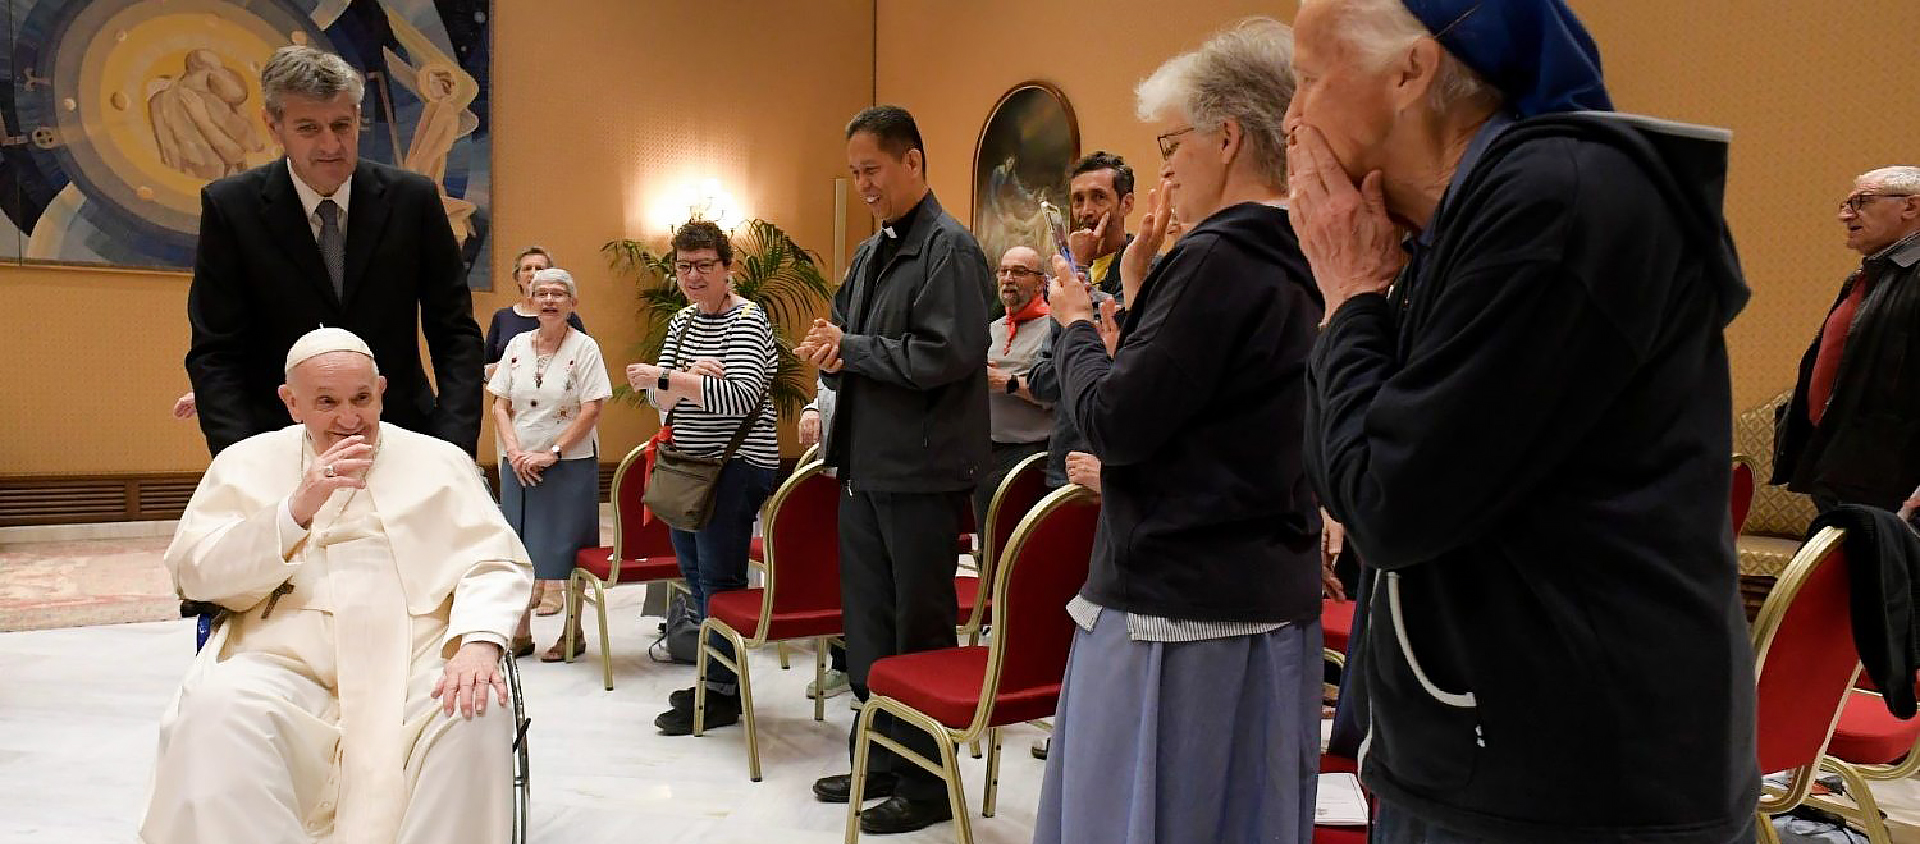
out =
column 1883, row 559
column 911, row 412
column 259, row 284
column 1205, row 513
column 1529, row 445
column 1867, row 448
column 1043, row 381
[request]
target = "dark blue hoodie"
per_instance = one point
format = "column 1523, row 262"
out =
column 1197, row 420
column 1529, row 444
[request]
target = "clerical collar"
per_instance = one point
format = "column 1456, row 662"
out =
column 904, row 223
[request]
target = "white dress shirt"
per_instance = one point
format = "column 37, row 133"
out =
column 310, row 200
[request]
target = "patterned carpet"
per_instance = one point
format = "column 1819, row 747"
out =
column 84, row 582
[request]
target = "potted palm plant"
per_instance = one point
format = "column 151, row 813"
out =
column 768, row 268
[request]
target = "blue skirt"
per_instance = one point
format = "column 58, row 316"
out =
column 558, row 517
column 1176, row 742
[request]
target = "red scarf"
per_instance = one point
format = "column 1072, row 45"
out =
column 1035, row 309
column 664, row 437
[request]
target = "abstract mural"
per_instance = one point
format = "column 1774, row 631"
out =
column 116, row 112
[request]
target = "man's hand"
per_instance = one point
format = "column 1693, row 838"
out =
column 1083, row 469
column 1333, row 538
column 809, row 427
column 1068, row 296
column 997, row 379
column 184, row 407
column 341, row 467
column 821, row 348
column 1086, row 242
column 1350, row 242
column 473, row 668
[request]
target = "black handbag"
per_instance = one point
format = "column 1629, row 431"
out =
column 680, row 486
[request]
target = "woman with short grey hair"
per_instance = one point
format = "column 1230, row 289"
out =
column 1191, row 705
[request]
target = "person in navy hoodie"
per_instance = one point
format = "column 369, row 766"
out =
column 1520, row 410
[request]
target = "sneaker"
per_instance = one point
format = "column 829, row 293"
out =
column 722, row 711
column 838, row 683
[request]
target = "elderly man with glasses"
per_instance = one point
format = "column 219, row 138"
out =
column 1851, row 434
column 1019, row 423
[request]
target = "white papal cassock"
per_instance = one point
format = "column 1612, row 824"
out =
column 313, row 721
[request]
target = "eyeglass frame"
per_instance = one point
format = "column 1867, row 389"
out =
column 1166, row 151
column 1020, row 272
column 683, row 267
column 1858, row 201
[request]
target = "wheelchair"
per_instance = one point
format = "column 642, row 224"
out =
column 205, row 618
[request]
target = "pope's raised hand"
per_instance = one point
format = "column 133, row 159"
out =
column 340, row 467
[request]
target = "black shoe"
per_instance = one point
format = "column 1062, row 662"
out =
column 722, row 711
column 839, row 788
column 899, row 814
column 682, row 699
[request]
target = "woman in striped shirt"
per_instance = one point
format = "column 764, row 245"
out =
column 713, row 375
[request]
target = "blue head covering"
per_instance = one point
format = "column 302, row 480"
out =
column 1535, row 52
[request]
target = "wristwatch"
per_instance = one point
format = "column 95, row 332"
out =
column 556, row 451
column 662, row 384
column 1013, row 384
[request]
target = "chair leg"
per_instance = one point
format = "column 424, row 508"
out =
column 606, row 652
column 820, row 647
column 956, row 790
column 781, row 649
column 1870, row 818
column 744, row 677
column 862, row 739
column 993, row 773
column 572, row 615
column 701, row 653
column 1768, row 835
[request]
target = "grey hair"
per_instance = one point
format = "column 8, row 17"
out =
column 1244, row 73
column 307, row 72
column 553, row 275
column 1900, row 178
column 1380, row 30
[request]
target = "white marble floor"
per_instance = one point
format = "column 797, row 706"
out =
column 78, row 709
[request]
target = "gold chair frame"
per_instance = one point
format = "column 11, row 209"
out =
column 948, row 768
column 580, row 579
column 758, row 639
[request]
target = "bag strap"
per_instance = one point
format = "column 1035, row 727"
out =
column 679, row 349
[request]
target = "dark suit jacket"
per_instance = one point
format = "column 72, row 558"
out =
column 259, row 284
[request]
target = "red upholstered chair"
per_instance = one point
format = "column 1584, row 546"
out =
column 799, row 599
column 1869, row 744
column 1743, row 487
column 960, row 694
column 640, row 553
column 1023, row 487
column 1805, row 663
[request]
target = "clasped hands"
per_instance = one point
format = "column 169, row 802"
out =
column 821, row 347
column 527, row 465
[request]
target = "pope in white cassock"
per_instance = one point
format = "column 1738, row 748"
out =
column 370, row 585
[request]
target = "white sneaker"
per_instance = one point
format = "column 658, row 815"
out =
column 837, row 684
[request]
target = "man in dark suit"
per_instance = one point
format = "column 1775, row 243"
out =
column 906, row 354
column 323, row 238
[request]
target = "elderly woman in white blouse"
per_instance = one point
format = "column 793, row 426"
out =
column 547, row 393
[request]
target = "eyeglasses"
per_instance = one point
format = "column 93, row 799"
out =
column 701, row 267
column 1858, row 201
column 1168, row 143
column 1020, row 272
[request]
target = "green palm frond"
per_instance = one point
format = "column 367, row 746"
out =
column 768, row 268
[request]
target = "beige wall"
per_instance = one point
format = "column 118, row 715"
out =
column 1812, row 97
column 601, row 104
column 600, row 108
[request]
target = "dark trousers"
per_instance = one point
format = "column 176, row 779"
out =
column 897, row 564
column 1005, row 457
column 1394, row 825
column 714, row 558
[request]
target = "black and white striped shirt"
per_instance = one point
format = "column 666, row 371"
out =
column 742, row 340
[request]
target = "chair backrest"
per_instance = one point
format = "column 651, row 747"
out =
column 1042, row 569
column 635, row 537
column 1022, row 488
column 1804, row 659
column 802, row 542
column 1741, row 497
column 810, row 455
